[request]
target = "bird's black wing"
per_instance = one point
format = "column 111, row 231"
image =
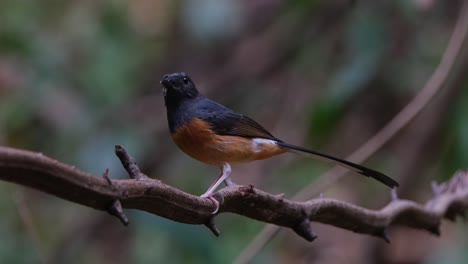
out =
column 224, row 121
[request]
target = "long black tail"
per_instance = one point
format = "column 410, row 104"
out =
column 355, row 167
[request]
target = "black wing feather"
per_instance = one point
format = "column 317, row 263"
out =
column 224, row 121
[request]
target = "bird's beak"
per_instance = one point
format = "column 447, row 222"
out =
column 165, row 84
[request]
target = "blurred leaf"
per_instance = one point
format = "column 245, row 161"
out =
column 366, row 39
column 13, row 42
column 212, row 20
column 323, row 119
column 458, row 155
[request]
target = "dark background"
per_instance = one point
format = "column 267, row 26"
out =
column 78, row 77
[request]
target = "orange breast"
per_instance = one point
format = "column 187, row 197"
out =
column 197, row 140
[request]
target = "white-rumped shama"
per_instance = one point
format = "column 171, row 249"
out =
column 214, row 134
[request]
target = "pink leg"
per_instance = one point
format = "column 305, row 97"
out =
column 228, row 181
column 219, row 176
column 224, row 175
column 226, row 171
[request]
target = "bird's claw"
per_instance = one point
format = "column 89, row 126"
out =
column 213, row 200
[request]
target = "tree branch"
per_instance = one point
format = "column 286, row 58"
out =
column 45, row 174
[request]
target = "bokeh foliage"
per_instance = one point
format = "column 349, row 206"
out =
column 78, row 77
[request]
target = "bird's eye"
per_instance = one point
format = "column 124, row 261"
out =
column 185, row 80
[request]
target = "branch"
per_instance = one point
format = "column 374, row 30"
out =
column 51, row 176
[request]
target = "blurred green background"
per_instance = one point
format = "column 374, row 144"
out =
column 78, row 77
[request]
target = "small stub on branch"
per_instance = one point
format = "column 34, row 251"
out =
column 435, row 230
column 212, row 226
column 304, row 230
column 129, row 164
column 458, row 182
column 116, row 210
column 457, row 185
column 105, row 175
column 383, row 233
column 394, row 194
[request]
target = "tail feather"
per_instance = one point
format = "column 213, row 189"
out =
column 355, row 167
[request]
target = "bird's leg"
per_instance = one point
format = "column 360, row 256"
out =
column 228, row 181
column 226, row 171
column 213, row 183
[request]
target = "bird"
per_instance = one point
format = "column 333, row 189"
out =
column 217, row 135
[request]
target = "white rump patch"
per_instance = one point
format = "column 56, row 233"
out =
column 259, row 143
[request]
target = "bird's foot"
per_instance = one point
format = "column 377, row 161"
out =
column 213, row 200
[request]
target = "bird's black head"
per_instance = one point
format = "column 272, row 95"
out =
column 178, row 87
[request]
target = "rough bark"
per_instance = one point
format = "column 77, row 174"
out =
column 42, row 173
